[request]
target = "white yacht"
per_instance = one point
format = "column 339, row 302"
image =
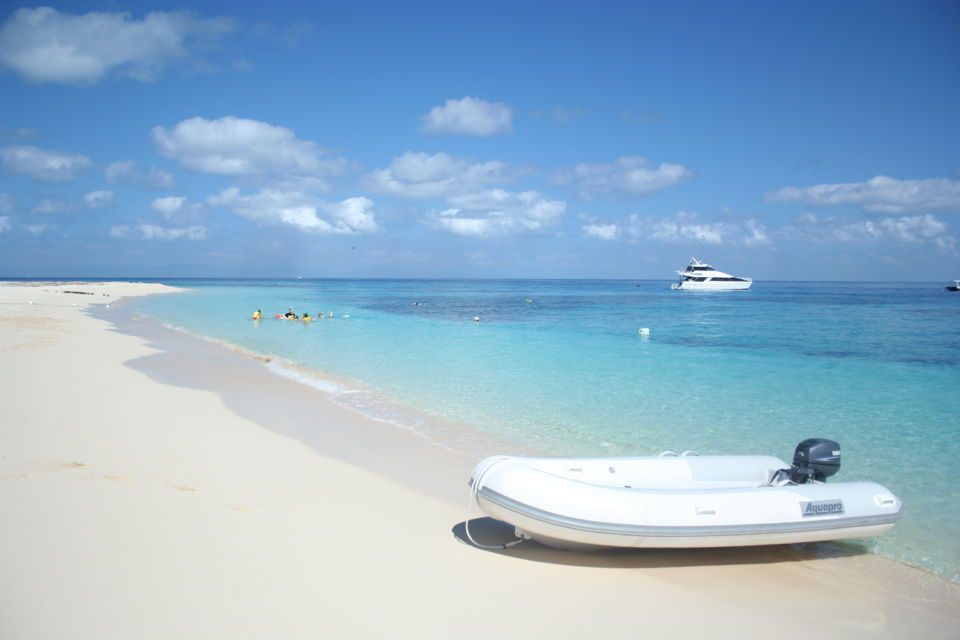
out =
column 699, row 276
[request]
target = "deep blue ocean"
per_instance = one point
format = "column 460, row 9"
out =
column 558, row 367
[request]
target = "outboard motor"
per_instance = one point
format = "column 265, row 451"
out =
column 814, row 460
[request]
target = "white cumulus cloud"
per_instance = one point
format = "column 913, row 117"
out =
column 496, row 212
column 682, row 227
column 914, row 228
column 155, row 232
column 879, row 194
column 424, row 175
column 919, row 229
column 631, row 174
column 97, row 199
column 4, row 223
column 52, row 206
column 755, row 234
column 169, row 206
column 120, row 170
column 679, row 228
column 175, row 209
column 43, row 164
column 45, row 45
column 355, row 214
column 300, row 210
column 233, row 146
column 468, row 116
column 600, row 231
column 38, row 229
column 126, row 172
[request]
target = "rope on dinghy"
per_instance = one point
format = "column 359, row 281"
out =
column 474, row 499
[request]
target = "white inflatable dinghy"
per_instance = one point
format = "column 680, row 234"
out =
column 682, row 501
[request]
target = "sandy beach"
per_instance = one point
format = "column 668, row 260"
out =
column 155, row 485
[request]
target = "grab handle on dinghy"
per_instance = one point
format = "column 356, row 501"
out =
column 475, row 487
column 690, row 453
column 669, row 454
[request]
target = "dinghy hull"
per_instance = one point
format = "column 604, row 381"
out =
column 709, row 501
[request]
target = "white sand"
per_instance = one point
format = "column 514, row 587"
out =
column 136, row 509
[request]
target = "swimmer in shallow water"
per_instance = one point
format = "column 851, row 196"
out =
column 306, row 316
column 256, row 315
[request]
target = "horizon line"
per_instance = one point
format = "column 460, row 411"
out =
column 421, row 278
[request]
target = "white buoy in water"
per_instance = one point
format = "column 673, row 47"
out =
column 476, row 318
column 644, row 332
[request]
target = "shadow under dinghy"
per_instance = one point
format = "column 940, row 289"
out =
column 682, row 501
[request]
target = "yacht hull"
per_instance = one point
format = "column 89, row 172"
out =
column 712, row 286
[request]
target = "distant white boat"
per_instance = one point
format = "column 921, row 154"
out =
column 700, row 276
column 953, row 287
column 682, row 501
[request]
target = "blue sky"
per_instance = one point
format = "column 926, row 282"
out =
column 807, row 141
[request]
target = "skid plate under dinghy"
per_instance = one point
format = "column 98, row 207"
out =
column 702, row 501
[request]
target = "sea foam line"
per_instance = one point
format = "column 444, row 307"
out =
column 352, row 395
column 376, row 405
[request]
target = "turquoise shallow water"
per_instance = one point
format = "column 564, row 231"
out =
column 875, row 366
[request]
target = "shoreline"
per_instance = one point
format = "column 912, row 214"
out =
column 178, row 493
column 170, row 338
column 462, row 441
column 436, row 430
column 239, row 377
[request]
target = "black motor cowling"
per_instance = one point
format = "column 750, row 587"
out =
column 814, row 460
